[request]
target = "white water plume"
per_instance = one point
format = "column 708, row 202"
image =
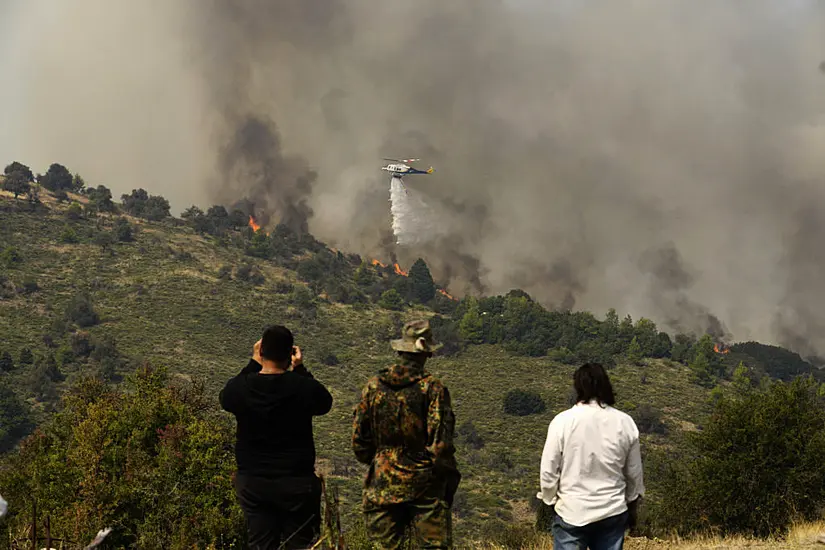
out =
column 412, row 219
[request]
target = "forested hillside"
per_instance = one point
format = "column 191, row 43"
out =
column 94, row 290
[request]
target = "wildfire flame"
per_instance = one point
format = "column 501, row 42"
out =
column 403, row 273
column 253, row 224
column 444, row 293
column 720, row 349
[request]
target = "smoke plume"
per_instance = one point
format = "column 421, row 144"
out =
column 252, row 166
column 662, row 158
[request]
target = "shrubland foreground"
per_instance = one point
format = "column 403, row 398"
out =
column 121, row 323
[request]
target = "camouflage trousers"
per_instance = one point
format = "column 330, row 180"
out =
column 427, row 520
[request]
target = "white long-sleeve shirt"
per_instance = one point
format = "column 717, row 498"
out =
column 591, row 466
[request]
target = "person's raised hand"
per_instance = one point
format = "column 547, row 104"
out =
column 256, row 353
column 297, row 357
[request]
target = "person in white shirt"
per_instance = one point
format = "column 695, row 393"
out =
column 591, row 468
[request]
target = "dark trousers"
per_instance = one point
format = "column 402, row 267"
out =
column 280, row 513
column 607, row 534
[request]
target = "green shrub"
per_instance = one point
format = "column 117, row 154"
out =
column 81, row 311
column 104, row 240
column 446, row 331
column 74, row 212
column 249, row 273
column 330, row 359
column 563, row 356
column 155, row 461
column 123, row 231
column 649, row 420
column 40, row 383
column 140, row 204
column 756, row 467
column 302, row 298
column 69, row 236
column 11, row 256
column 523, row 403
column 392, row 300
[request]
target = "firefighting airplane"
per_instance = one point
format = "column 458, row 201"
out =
column 402, row 169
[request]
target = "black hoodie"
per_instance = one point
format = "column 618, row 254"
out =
column 274, row 414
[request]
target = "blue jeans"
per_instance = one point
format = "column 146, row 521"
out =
column 607, row 534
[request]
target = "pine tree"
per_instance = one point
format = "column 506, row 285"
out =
column 610, row 332
column 626, row 332
column 704, row 348
column 682, row 348
column 634, row 352
column 647, row 334
column 702, row 373
column 421, row 282
column 741, row 379
column 471, row 326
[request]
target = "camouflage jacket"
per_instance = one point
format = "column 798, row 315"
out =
column 403, row 429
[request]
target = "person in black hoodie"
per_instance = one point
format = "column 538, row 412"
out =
column 274, row 399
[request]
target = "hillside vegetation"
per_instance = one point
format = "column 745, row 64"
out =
column 93, row 290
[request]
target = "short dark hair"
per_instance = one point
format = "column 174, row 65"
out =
column 276, row 344
column 591, row 382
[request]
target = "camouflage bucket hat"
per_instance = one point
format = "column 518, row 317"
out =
column 416, row 337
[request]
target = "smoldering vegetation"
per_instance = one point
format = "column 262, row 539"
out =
column 662, row 158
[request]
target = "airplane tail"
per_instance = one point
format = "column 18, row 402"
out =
column 430, row 170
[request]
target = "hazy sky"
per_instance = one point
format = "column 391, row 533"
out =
column 663, row 157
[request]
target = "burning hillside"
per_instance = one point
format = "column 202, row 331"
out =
column 399, row 271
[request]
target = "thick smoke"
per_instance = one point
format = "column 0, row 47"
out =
column 580, row 147
column 670, row 283
column 252, row 166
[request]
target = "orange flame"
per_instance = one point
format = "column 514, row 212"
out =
column 403, row 273
column 444, row 293
column 720, row 349
column 253, row 224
